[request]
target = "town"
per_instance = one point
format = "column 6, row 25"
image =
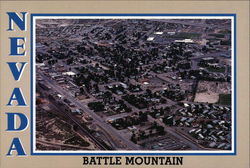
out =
column 133, row 84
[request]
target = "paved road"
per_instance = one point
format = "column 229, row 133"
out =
column 174, row 133
column 201, row 24
column 169, row 130
column 96, row 118
column 54, row 144
column 82, row 130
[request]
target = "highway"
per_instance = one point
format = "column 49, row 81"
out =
column 96, row 118
column 82, row 130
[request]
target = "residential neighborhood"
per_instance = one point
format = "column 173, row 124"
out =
column 134, row 84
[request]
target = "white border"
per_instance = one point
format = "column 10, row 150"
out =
column 137, row 151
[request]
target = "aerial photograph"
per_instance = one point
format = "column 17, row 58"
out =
column 137, row 84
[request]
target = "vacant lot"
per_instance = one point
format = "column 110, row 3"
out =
column 209, row 92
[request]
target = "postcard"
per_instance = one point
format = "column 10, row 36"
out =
column 124, row 83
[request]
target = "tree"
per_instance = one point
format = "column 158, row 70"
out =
column 148, row 91
column 133, row 138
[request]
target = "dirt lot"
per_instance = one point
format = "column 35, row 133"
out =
column 209, row 91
